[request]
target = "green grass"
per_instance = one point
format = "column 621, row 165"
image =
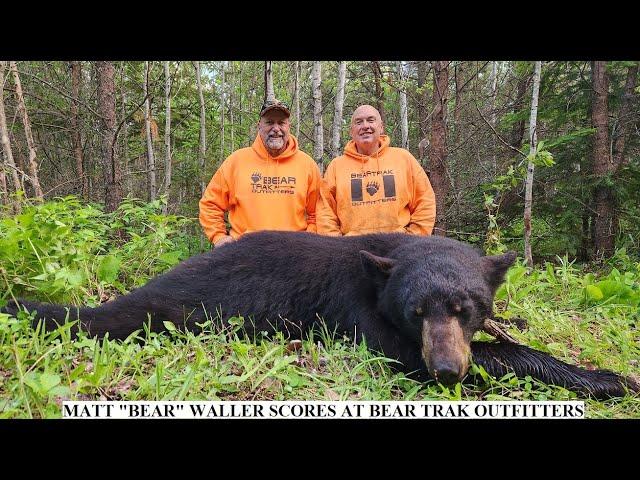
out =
column 589, row 319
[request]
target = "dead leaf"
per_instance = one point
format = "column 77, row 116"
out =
column 294, row 346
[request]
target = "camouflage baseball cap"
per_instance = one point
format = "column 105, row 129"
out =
column 269, row 105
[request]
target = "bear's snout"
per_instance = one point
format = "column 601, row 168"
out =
column 445, row 350
column 445, row 372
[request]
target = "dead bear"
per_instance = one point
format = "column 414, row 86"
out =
column 415, row 299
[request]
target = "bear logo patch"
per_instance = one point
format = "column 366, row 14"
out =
column 372, row 188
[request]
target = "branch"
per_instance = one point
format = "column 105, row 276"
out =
column 504, row 142
column 22, row 72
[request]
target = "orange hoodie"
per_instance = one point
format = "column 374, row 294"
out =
column 385, row 192
column 261, row 192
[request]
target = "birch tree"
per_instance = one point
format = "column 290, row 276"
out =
column 296, row 97
column 151, row 160
column 203, row 132
column 222, row 107
column 533, row 142
column 167, row 136
column 404, row 119
column 6, row 144
column 32, row 165
column 318, row 140
column 232, row 86
column 377, row 76
column 337, row 114
column 494, row 91
column 269, row 94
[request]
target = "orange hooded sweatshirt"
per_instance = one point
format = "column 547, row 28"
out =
column 384, row 192
column 261, row 192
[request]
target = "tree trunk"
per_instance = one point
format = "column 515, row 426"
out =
column 6, row 144
column 222, row 105
column 404, row 119
column 604, row 227
column 625, row 116
column 494, row 90
column 296, row 98
column 167, row 136
column 4, row 193
column 232, row 127
column 423, row 112
column 203, row 135
column 533, row 142
column 32, row 164
column 268, row 81
column 377, row 75
column 318, row 139
column 240, row 94
column 128, row 176
column 76, row 136
column 337, row 115
column 517, row 133
column 107, row 110
column 151, row 159
column 457, row 108
column 438, row 145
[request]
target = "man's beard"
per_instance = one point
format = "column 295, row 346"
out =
column 275, row 143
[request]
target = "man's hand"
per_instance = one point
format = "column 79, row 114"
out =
column 223, row 240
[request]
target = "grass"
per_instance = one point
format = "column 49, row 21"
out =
column 581, row 317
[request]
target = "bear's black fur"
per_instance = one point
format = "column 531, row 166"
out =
column 415, row 299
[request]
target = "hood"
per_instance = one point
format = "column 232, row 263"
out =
column 290, row 151
column 350, row 149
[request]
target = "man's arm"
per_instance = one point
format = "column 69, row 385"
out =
column 213, row 204
column 423, row 202
column 327, row 208
column 313, row 192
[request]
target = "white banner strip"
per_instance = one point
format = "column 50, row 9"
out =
column 322, row 409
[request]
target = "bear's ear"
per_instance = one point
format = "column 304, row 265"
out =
column 374, row 266
column 495, row 267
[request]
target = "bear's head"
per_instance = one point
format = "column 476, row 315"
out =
column 437, row 292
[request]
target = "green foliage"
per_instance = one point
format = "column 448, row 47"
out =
column 615, row 288
column 66, row 251
column 582, row 317
column 542, row 157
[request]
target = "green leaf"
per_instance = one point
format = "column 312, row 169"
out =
column 48, row 381
column 41, row 383
column 594, row 293
column 108, row 268
column 170, row 258
column 169, row 326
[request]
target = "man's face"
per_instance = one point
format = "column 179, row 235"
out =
column 274, row 131
column 366, row 127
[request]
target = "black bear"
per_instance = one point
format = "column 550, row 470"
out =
column 415, row 299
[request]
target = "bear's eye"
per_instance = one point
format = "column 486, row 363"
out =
column 460, row 310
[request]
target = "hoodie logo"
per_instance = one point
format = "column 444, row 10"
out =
column 372, row 186
column 277, row 184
